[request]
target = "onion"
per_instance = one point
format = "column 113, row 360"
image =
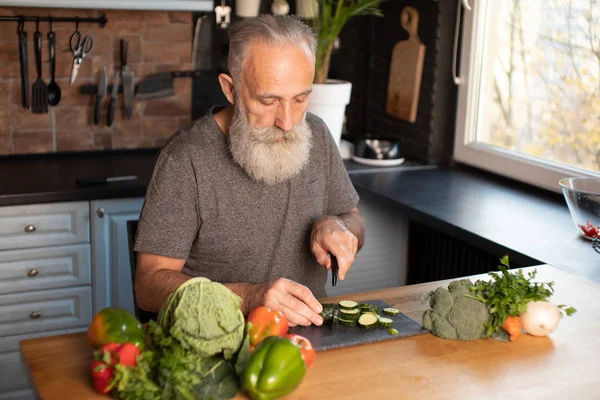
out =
column 541, row 318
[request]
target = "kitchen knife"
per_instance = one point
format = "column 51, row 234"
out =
column 127, row 76
column 99, row 95
column 113, row 99
column 334, row 276
column 161, row 84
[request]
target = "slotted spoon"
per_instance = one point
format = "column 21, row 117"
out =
column 39, row 90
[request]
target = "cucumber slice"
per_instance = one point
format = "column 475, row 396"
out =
column 391, row 311
column 346, row 322
column 392, row 331
column 348, row 304
column 385, row 322
column 349, row 316
column 368, row 321
column 328, row 310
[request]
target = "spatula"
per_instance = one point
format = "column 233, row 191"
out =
column 39, row 90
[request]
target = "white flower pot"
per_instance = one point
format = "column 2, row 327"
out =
column 307, row 9
column 247, row 8
column 328, row 101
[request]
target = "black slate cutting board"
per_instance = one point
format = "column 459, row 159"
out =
column 325, row 338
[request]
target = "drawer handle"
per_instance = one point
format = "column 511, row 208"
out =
column 32, row 272
column 35, row 315
column 30, row 228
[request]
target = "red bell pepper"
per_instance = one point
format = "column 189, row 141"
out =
column 266, row 322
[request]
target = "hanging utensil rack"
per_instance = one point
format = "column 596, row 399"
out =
column 101, row 20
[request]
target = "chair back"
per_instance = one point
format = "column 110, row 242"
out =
column 142, row 315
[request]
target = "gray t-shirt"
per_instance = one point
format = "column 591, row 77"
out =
column 202, row 207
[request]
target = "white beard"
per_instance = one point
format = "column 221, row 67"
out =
column 259, row 153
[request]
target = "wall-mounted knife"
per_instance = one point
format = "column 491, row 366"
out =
column 127, row 75
column 99, row 95
column 113, row 99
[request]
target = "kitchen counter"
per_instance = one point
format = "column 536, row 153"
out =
column 488, row 212
column 481, row 209
column 563, row 365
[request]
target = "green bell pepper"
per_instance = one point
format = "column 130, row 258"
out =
column 275, row 369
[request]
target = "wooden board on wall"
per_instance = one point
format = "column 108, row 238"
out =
column 406, row 69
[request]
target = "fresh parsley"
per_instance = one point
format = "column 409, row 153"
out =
column 507, row 294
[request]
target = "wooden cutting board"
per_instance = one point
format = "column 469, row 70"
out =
column 325, row 337
column 406, row 69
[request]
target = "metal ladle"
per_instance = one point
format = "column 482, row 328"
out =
column 53, row 88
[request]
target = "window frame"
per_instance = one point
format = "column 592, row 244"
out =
column 473, row 57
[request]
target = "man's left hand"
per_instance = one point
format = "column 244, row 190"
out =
column 330, row 235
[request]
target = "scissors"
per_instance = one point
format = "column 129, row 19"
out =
column 80, row 47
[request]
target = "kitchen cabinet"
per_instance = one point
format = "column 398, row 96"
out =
column 183, row 5
column 111, row 278
column 45, row 281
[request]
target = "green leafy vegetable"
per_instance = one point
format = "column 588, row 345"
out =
column 198, row 348
column 507, row 294
column 205, row 317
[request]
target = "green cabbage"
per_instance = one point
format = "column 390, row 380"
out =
column 205, row 317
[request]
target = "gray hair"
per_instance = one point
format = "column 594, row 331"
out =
column 272, row 30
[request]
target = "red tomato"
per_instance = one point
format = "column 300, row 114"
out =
column 306, row 348
column 102, row 376
column 127, row 354
column 266, row 322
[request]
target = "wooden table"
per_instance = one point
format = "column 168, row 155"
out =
column 564, row 365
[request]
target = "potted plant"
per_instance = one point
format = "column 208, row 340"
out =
column 327, row 18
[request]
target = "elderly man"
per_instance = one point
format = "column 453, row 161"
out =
column 255, row 195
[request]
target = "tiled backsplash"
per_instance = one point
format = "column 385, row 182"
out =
column 158, row 41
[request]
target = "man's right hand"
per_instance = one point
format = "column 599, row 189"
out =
column 294, row 300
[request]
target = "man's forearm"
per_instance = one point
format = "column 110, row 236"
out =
column 354, row 222
column 248, row 292
column 157, row 287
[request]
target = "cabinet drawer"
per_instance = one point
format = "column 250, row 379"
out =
column 44, row 225
column 45, row 310
column 12, row 374
column 44, row 268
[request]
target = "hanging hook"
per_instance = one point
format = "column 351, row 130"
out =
column 76, row 24
column 51, row 21
column 37, row 23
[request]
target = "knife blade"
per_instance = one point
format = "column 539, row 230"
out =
column 334, row 276
column 127, row 76
column 113, row 99
column 160, row 84
column 99, row 95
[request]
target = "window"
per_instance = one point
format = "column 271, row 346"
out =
column 529, row 96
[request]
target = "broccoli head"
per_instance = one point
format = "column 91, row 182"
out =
column 453, row 315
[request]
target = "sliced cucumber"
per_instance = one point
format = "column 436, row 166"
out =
column 392, row 331
column 348, row 304
column 346, row 322
column 368, row 321
column 385, row 322
column 328, row 310
column 350, row 314
column 391, row 311
column 368, row 308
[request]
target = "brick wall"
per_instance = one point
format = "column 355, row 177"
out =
column 158, row 41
